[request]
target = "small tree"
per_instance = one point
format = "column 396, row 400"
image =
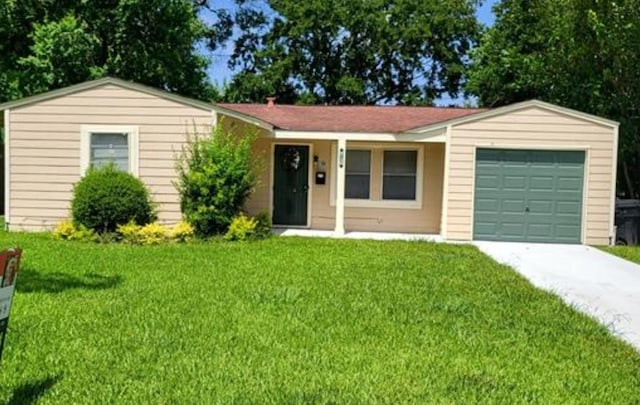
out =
column 215, row 178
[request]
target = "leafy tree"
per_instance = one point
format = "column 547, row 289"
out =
column 582, row 54
column 48, row 44
column 352, row 52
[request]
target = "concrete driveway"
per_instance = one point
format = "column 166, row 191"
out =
column 597, row 283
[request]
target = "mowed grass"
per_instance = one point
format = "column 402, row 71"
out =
column 631, row 253
column 297, row 321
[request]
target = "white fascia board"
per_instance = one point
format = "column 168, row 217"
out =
column 432, row 136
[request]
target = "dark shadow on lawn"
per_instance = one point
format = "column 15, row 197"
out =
column 29, row 393
column 33, row 281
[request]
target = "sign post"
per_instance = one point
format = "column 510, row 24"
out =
column 9, row 265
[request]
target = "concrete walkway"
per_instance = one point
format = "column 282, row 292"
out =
column 316, row 233
column 594, row 282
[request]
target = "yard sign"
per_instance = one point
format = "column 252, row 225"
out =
column 9, row 265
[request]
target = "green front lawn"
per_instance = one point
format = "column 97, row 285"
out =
column 297, row 321
column 631, row 253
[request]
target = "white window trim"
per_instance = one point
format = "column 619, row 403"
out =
column 370, row 203
column 419, row 168
column 132, row 138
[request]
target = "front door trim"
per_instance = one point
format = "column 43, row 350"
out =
column 310, row 182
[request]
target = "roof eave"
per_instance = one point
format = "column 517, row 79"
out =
column 515, row 107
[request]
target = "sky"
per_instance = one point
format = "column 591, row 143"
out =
column 219, row 72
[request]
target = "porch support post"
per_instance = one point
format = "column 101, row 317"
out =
column 340, row 165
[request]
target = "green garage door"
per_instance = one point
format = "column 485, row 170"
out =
column 528, row 195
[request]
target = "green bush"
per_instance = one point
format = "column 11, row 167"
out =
column 263, row 226
column 242, row 228
column 216, row 175
column 107, row 196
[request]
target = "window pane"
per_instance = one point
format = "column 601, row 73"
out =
column 358, row 174
column 110, row 147
column 400, row 161
column 358, row 161
column 399, row 175
column 399, row 188
column 357, row 186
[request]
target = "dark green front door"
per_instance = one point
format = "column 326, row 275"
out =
column 528, row 195
column 290, row 185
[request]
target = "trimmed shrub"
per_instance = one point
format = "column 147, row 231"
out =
column 181, row 232
column 216, row 175
column 242, row 228
column 153, row 234
column 66, row 230
column 130, row 232
column 107, row 196
column 263, row 226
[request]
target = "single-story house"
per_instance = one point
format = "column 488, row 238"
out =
column 531, row 171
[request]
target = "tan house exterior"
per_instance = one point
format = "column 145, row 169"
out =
column 530, row 171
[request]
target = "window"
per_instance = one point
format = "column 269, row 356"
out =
column 358, row 174
column 100, row 144
column 380, row 175
column 109, row 147
column 399, row 175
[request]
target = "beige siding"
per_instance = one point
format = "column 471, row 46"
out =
column 423, row 220
column 45, row 149
column 532, row 128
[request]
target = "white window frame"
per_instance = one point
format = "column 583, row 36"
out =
column 376, row 201
column 382, row 173
column 132, row 138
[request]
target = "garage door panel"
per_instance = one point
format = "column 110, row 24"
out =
column 516, row 158
column 512, row 206
column 566, row 231
column 525, row 195
column 539, row 230
column 567, row 207
column 570, row 184
column 542, row 157
column 512, row 229
column 541, row 206
column 487, row 205
column 490, row 181
column 541, row 183
column 514, row 183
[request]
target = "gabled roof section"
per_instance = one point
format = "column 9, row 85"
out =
column 354, row 119
column 517, row 107
column 76, row 88
column 202, row 105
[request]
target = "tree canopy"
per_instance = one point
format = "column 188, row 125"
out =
column 581, row 54
column 48, row 44
column 353, row 52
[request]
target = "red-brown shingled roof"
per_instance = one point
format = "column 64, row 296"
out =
column 374, row 119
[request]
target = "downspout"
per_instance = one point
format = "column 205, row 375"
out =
column 7, row 168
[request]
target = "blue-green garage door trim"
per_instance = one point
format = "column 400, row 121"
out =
column 528, row 195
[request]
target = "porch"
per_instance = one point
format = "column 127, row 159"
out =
column 352, row 188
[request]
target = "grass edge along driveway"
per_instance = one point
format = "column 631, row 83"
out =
column 630, row 253
column 297, row 320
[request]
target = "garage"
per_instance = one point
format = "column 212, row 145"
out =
column 530, row 172
column 529, row 195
